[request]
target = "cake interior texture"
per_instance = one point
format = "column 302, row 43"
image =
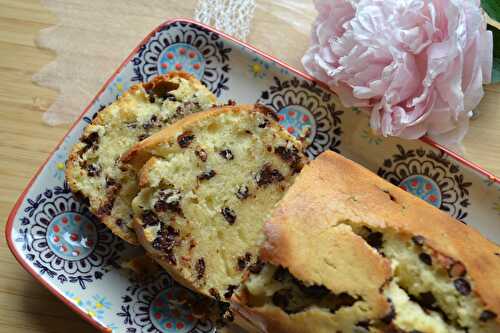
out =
column 207, row 192
column 94, row 170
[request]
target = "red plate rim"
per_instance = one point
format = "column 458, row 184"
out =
column 10, row 219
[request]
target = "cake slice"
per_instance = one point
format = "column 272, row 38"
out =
column 208, row 184
column 93, row 169
column 346, row 251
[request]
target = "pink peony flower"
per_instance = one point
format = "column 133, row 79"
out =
column 416, row 65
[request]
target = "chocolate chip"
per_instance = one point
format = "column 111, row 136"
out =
column 281, row 298
column 226, row 154
column 152, row 122
column 242, row 192
column 487, row 315
column 427, row 300
column 256, row 268
column 90, row 141
column 119, row 222
column 200, row 268
column 418, row 240
column 110, row 182
column 206, row 175
column 166, row 240
column 290, row 156
column 229, row 215
column 162, row 206
column 151, row 99
column 93, row 170
column 375, row 239
column 230, row 290
column 230, row 102
column 149, row 218
column 201, row 154
column 462, row 286
column 388, row 318
column 425, row 258
column 243, row 261
column 91, row 138
column 268, row 175
column 264, row 123
column 161, row 89
column 168, row 200
column 457, row 269
column 280, row 274
column 214, row 293
column 185, row 139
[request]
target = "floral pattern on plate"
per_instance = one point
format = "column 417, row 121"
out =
column 306, row 111
column 160, row 306
column 63, row 239
column 178, row 46
column 430, row 176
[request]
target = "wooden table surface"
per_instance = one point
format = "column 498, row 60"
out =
column 26, row 141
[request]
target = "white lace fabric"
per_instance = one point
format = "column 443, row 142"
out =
column 230, row 16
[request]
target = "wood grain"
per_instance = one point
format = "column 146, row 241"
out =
column 26, row 141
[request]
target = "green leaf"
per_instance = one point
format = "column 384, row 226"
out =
column 495, row 75
column 492, row 7
column 496, row 41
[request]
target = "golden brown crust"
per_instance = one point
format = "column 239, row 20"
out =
column 124, row 104
column 333, row 189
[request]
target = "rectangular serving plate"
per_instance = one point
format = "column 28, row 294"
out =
column 83, row 268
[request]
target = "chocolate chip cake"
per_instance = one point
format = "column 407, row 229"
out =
column 346, row 251
column 93, row 169
column 208, row 185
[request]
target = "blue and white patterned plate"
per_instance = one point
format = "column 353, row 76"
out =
column 59, row 242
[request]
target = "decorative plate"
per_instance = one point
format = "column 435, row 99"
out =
column 57, row 240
